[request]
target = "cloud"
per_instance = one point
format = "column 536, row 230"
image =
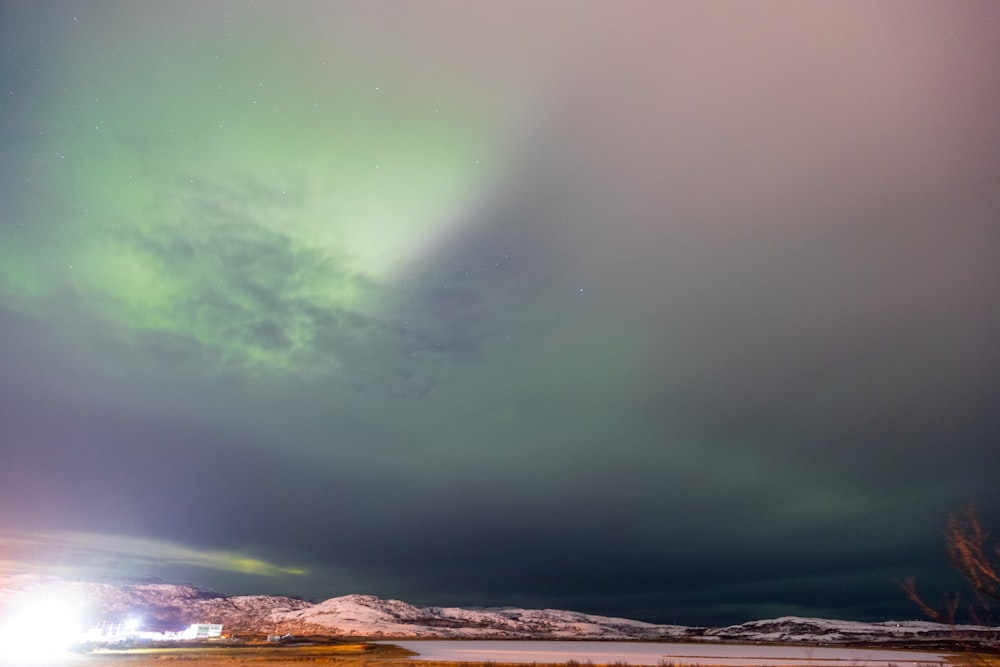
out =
column 70, row 552
column 718, row 315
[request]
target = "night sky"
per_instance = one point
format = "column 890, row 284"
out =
column 682, row 311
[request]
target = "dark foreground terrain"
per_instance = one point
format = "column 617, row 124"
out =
column 272, row 655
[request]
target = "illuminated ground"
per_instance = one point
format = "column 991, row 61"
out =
column 204, row 656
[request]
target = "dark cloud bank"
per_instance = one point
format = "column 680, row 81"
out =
column 718, row 342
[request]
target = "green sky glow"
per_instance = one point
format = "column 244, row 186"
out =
column 679, row 311
column 215, row 198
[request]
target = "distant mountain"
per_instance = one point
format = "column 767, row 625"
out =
column 369, row 616
column 160, row 606
column 172, row 607
column 795, row 630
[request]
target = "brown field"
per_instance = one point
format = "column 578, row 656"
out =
column 341, row 655
column 346, row 655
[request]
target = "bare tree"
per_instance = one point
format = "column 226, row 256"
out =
column 978, row 561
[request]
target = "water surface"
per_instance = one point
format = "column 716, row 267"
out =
column 652, row 653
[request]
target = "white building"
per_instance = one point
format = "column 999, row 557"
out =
column 202, row 631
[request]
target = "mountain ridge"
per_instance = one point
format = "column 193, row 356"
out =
column 165, row 606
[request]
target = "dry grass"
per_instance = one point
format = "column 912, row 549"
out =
column 345, row 655
column 974, row 659
column 336, row 655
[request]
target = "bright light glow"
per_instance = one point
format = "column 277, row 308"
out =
column 42, row 627
column 131, row 625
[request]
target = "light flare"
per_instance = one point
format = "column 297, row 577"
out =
column 42, row 627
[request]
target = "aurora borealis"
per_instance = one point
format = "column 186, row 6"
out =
column 679, row 311
column 200, row 174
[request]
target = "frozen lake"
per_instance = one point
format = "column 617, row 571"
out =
column 649, row 653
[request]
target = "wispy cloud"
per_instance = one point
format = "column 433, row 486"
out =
column 71, row 550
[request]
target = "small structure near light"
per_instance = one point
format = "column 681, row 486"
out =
column 202, row 631
column 128, row 632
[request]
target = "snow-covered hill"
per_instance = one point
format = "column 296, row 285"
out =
column 160, row 606
column 172, row 607
column 369, row 616
column 792, row 629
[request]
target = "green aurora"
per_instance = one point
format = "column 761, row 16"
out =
column 238, row 215
column 676, row 311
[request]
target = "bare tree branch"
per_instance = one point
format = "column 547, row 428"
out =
column 909, row 587
column 972, row 557
column 979, row 564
